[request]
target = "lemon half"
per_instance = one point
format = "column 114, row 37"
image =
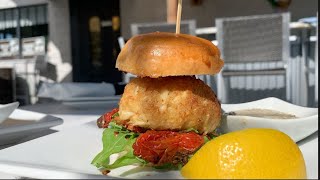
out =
column 250, row 153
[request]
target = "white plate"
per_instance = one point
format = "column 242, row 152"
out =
column 6, row 110
column 22, row 123
column 305, row 124
column 67, row 154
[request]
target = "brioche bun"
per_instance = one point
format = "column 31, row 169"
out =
column 169, row 103
column 163, row 54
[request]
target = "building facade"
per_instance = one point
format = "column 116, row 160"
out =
column 78, row 40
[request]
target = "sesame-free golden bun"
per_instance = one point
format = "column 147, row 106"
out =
column 169, row 103
column 161, row 54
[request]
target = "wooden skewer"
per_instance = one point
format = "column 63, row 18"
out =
column 178, row 17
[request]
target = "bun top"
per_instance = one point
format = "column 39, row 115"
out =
column 161, row 54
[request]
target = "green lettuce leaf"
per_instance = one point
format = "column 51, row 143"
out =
column 116, row 139
column 128, row 159
column 190, row 130
column 206, row 139
column 113, row 125
column 115, row 115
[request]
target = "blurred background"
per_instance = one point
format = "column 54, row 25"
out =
column 58, row 49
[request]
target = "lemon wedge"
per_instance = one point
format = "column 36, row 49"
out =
column 250, row 153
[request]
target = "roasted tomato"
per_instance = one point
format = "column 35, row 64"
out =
column 162, row 147
column 105, row 119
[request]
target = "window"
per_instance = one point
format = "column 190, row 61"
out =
column 8, row 24
column 22, row 29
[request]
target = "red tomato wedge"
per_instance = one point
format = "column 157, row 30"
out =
column 161, row 147
column 105, row 119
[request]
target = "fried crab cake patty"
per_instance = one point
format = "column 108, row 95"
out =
column 169, row 103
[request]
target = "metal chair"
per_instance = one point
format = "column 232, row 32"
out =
column 253, row 48
column 186, row 27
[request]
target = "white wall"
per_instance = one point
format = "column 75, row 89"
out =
column 59, row 47
column 155, row 10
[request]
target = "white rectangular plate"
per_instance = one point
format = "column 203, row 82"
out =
column 68, row 154
column 305, row 123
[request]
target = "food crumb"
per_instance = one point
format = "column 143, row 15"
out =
column 105, row 172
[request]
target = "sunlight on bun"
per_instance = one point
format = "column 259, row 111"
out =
column 162, row 54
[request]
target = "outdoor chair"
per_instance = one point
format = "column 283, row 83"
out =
column 255, row 50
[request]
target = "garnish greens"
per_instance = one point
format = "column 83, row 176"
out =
column 117, row 139
column 190, row 130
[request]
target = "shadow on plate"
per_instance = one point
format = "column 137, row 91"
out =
column 308, row 139
column 149, row 173
column 29, row 138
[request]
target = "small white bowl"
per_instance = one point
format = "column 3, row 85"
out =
column 305, row 123
column 6, row 110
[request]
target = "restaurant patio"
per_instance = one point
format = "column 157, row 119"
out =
column 60, row 73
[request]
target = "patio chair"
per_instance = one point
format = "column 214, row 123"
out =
column 254, row 49
column 186, row 27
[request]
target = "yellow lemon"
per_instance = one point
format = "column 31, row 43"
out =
column 250, row 153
